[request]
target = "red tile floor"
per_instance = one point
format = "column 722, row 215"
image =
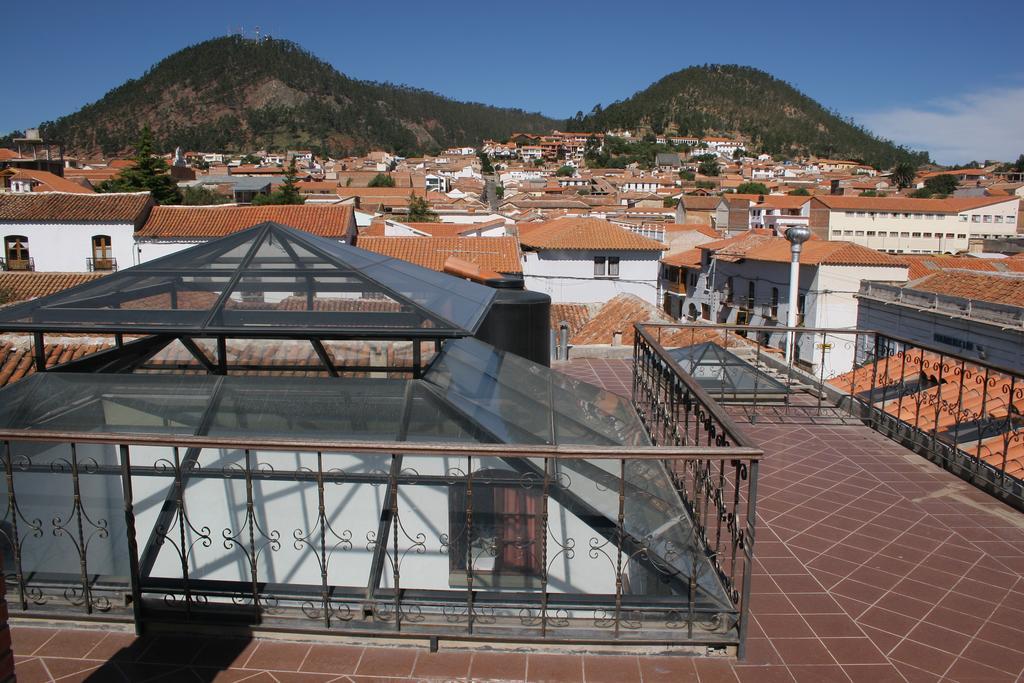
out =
column 872, row 565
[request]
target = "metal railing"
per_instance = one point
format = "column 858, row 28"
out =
column 28, row 264
column 964, row 414
column 541, row 544
column 101, row 264
column 718, row 491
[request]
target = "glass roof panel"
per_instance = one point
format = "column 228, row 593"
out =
column 516, row 398
column 271, row 278
column 724, row 374
column 455, row 300
column 305, row 407
column 114, row 403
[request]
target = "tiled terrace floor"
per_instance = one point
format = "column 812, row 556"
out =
column 873, row 565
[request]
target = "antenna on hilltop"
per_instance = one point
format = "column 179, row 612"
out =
column 257, row 34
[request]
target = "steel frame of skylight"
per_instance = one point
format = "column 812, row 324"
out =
column 713, row 470
column 277, row 324
column 627, row 618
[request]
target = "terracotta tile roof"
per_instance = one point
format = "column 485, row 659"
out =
column 325, row 220
column 924, row 264
column 577, row 315
column 993, row 288
column 689, row 258
column 907, row 204
column 583, row 233
column 24, row 285
column 698, row 203
column 702, row 228
column 958, row 398
column 48, row 182
column 760, row 247
column 17, row 361
column 114, row 207
column 8, row 154
column 93, row 175
column 619, row 315
column 500, row 254
column 378, row 192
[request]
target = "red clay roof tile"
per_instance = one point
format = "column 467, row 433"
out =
column 325, row 220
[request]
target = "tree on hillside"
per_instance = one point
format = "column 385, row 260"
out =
column 287, row 193
column 800, row 192
column 485, row 163
column 941, row 184
column 708, row 167
column 420, row 211
column 565, row 172
column 203, row 196
column 149, row 174
column 752, row 188
column 903, row 174
column 381, row 180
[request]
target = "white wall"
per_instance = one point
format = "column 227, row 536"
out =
column 829, row 302
column 568, row 276
column 64, row 247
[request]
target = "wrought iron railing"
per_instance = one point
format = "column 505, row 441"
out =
column 18, row 264
column 100, row 264
column 541, row 543
column 718, row 491
column 965, row 414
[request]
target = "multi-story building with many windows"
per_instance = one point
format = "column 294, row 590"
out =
column 901, row 225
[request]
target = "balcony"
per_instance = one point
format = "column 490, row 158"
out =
column 851, row 528
column 12, row 265
column 470, row 495
column 101, row 264
column 965, row 415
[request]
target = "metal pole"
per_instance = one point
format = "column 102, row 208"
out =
column 797, row 236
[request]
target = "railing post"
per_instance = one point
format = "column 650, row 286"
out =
column 748, row 551
column 619, row 534
column 133, row 546
column 544, row 549
column 15, row 540
column 469, row 543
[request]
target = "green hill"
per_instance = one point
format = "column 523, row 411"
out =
column 235, row 94
column 729, row 99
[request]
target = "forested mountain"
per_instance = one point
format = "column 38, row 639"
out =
column 236, row 94
column 729, row 99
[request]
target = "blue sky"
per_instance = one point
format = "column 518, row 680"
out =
column 941, row 75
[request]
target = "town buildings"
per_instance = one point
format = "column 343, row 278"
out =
column 57, row 231
column 915, row 226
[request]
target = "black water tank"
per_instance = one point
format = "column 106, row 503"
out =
column 520, row 322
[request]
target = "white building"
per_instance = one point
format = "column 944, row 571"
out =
column 967, row 313
column 170, row 229
column 744, row 280
column 901, row 225
column 70, row 232
column 587, row 260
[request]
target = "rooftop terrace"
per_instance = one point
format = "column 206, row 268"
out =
column 873, row 564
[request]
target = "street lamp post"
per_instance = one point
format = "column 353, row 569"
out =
column 796, row 235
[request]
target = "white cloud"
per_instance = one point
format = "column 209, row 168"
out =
column 987, row 124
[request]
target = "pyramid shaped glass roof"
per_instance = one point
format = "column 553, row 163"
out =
column 725, row 375
column 268, row 280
